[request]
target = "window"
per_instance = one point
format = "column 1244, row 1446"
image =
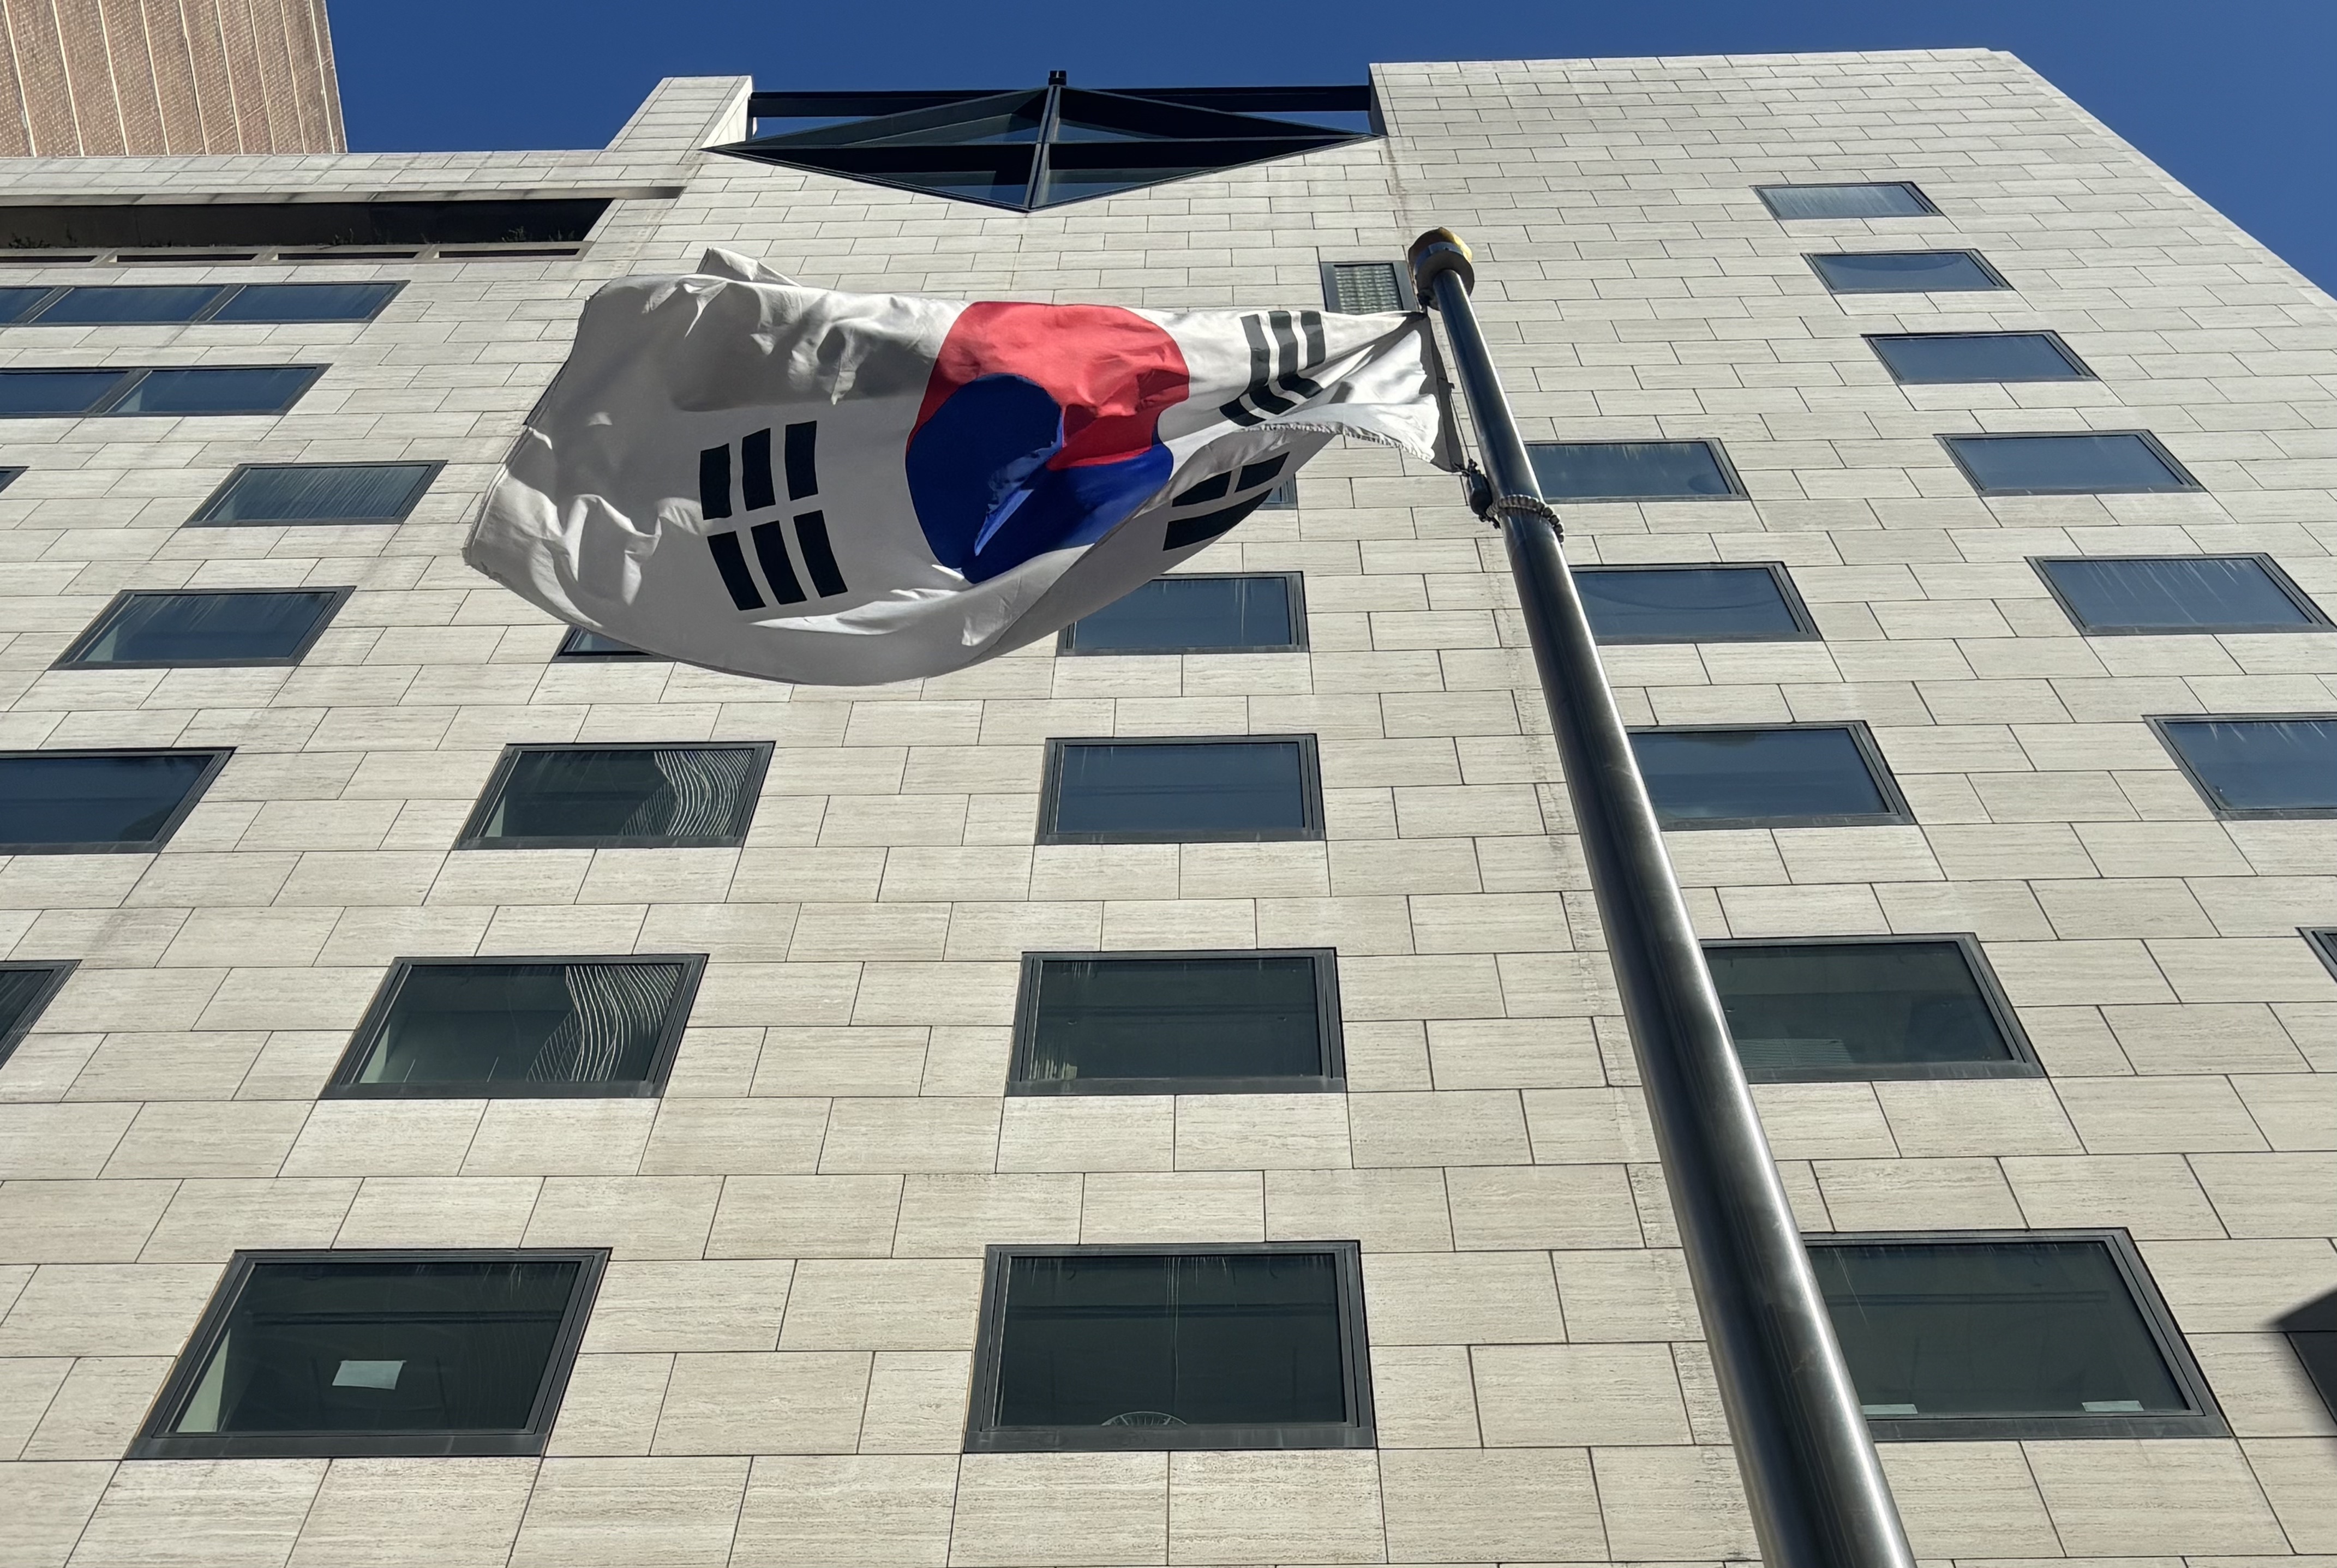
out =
column 1930, row 358
column 2311, row 1331
column 297, row 302
column 1243, row 789
column 2114, row 463
column 1907, row 272
column 638, row 796
column 1255, row 1345
column 2009, row 1334
column 135, row 304
column 1178, row 1023
column 2125, row 595
column 1283, row 497
column 1791, row 776
column 249, row 625
column 152, row 304
column 2324, row 943
column 1889, row 198
column 57, row 394
column 1366, row 288
column 1860, row 1007
column 582, row 644
column 2275, row 765
column 99, row 801
column 24, row 990
column 270, row 494
column 304, row 1354
column 15, row 304
column 1197, row 613
column 1634, row 471
column 521, row 1029
column 205, row 389
column 259, row 226
column 1754, row 603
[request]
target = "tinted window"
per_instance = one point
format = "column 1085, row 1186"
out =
column 619, row 797
column 1761, row 778
column 1858, row 1010
column 318, row 493
column 70, row 801
column 1895, row 200
column 520, row 1028
column 2324, row 942
column 16, row 303
column 2260, row 767
column 24, row 990
column 1906, row 272
column 2066, row 464
column 307, row 302
column 1959, row 357
column 1690, row 604
column 104, row 307
column 1631, row 470
column 2001, row 1329
column 582, row 644
column 2179, row 594
column 247, row 628
column 158, row 224
column 1166, row 1024
column 1192, row 615
column 1173, row 791
column 35, row 393
column 263, row 389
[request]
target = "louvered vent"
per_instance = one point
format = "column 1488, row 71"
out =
column 1364, row 288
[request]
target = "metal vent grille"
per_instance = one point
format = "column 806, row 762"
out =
column 1364, row 288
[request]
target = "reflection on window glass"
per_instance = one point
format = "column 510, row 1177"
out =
column 1839, row 1010
column 129, row 305
column 1686, row 604
column 1906, row 272
column 318, row 493
column 58, row 393
column 1755, row 776
column 2178, row 594
column 1944, row 357
column 518, row 1024
column 2043, row 1328
column 1195, row 789
column 625, row 795
column 1191, row 615
column 117, row 800
column 582, row 644
column 1629, row 471
column 205, row 627
column 2268, row 766
column 306, row 302
column 2112, row 464
column 260, row 389
column 14, row 303
column 1894, row 199
column 1149, row 1024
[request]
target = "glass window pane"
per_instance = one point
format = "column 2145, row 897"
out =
column 2260, row 764
column 582, row 644
column 1895, row 200
column 123, row 799
column 1185, row 790
column 383, row 1347
column 15, row 302
column 1940, row 357
column 1191, row 615
column 635, row 793
column 1211, row 1340
column 2065, row 464
column 1153, row 1018
column 1832, row 1006
column 1757, row 775
column 205, row 627
column 319, row 492
column 1686, row 604
column 1629, row 470
column 1905, row 272
column 258, row 389
column 1993, row 1328
column 2184, row 593
column 129, row 305
column 306, row 302
column 24, row 993
column 521, row 1023
column 31, row 394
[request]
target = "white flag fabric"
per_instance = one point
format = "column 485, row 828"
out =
column 847, row 488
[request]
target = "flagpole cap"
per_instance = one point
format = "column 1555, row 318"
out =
column 1434, row 254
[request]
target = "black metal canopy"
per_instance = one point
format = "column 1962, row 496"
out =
column 1030, row 147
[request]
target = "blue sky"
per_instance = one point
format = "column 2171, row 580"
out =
column 2232, row 98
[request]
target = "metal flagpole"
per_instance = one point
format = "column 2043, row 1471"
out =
column 1817, row 1491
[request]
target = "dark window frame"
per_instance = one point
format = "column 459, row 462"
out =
column 2187, row 483
column 2023, row 1063
column 1310, row 785
column 1930, row 209
column 1719, row 449
column 1330, row 1037
column 1897, row 812
column 1806, row 628
column 170, row 824
column 1294, row 585
column 2322, row 940
column 219, row 302
column 2083, row 371
column 60, row 970
column 2160, row 726
column 569, row 650
column 473, row 836
column 202, row 518
column 984, row 1436
column 2151, row 1307
column 1998, row 281
column 1410, row 301
column 156, row 1441
column 72, row 657
column 343, row 1085
column 2316, row 619
column 129, row 378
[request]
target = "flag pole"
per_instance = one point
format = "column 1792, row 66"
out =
column 1815, row 1486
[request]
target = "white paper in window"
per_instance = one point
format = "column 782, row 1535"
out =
column 367, row 1374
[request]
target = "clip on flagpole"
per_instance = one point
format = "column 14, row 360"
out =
column 1815, row 1486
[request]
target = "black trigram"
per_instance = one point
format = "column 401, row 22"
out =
column 1192, row 528
column 1274, row 365
column 756, row 493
